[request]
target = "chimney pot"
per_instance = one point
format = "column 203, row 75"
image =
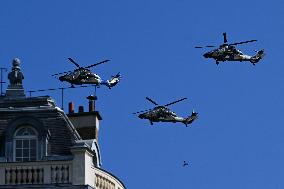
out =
column 92, row 97
column 71, row 107
column 81, row 109
column 92, row 103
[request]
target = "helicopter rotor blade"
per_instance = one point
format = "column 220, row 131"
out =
column 142, row 111
column 71, row 60
column 225, row 37
column 175, row 102
column 61, row 73
column 243, row 42
column 138, row 112
column 152, row 101
column 199, row 47
column 97, row 64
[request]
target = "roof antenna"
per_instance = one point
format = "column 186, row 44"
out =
column 1, row 81
column 62, row 98
column 62, row 91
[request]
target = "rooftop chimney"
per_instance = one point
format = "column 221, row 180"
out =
column 71, row 107
column 86, row 123
column 81, row 109
column 92, row 104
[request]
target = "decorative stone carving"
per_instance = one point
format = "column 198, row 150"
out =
column 16, row 76
column 15, row 89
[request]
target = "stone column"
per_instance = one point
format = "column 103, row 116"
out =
column 2, row 175
column 47, row 174
column 82, row 166
column 78, row 166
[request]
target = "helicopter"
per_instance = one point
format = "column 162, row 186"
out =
column 228, row 52
column 163, row 114
column 83, row 75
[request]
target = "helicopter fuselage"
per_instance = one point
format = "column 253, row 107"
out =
column 231, row 53
column 83, row 75
column 162, row 114
column 159, row 113
column 79, row 77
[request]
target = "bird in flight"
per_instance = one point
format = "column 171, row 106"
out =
column 185, row 164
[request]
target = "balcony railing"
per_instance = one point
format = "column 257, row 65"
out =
column 42, row 172
column 105, row 180
column 53, row 172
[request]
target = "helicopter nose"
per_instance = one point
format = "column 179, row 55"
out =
column 61, row 78
column 206, row 55
column 141, row 116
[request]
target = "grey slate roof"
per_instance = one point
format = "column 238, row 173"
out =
column 62, row 134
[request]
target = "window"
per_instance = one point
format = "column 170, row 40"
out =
column 25, row 144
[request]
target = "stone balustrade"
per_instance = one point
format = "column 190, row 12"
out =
column 105, row 180
column 60, row 174
column 23, row 175
column 40, row 172
column 54, row 172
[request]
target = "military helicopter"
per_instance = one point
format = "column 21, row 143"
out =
column 83, row 75
column 228, row 52
column 163, row 114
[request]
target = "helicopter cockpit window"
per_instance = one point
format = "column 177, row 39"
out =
column 240, row 52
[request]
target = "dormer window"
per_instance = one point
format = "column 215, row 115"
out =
column 25, row 144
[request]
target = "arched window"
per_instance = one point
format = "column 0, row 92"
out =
column 25, row 144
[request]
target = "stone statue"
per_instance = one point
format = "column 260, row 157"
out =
column 15, row 89
column 16, row 76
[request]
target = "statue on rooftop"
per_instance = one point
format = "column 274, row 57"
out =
column 16, row 76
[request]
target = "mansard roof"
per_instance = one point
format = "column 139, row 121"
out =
column 43, row 114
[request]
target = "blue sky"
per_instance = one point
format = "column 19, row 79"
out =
column 238, row 140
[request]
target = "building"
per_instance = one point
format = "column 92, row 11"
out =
column 42, row 147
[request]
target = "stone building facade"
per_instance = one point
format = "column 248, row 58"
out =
column 42, row 147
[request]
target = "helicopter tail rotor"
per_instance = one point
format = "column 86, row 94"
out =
column 259, row 55
column 193, row 113
column 191, row 118
column 113, row 81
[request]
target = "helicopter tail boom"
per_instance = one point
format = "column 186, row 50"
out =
column 191, row 118
column 259, row 55
column 113, row 81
